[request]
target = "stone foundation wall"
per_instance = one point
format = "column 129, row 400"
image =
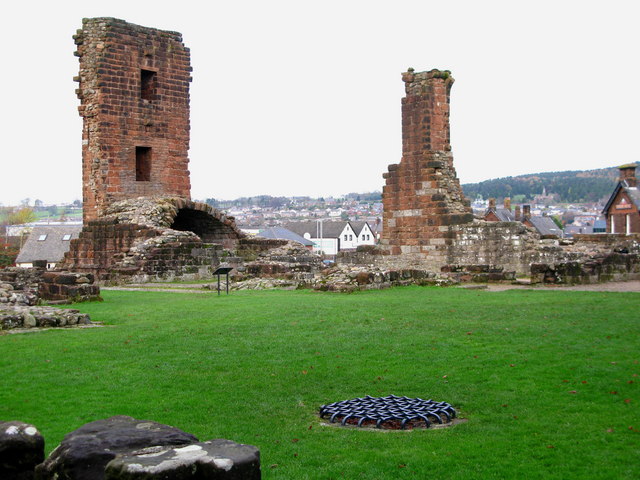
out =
column 40, row 317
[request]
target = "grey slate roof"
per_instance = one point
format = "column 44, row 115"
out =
column 329, row 229
column 633, row 192
column 53, row 248
column 504, row 214
column 281, row 233
column 546, row 226
column 358, row 226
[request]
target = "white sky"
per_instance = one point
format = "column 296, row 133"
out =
column 303, row 98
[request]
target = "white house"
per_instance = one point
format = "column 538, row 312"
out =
column 332, row 237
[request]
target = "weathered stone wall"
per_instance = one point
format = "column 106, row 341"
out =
column 422, row 198
column 592, row 259
column 612, row 267
column 508, row 245
column 134, row 94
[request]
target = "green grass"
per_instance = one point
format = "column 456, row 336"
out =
column 254, row 367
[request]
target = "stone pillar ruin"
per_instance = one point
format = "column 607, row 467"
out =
column 134, row 94
column 422, row 198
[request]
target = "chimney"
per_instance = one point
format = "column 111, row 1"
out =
column 518, row 213
column 628, row 174
column 526, row 212
column 492, row 203
column 507, row 203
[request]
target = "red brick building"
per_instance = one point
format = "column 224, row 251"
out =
column 134, row 93
column 622, row 209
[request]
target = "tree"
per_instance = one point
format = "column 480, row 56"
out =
column 21, row 216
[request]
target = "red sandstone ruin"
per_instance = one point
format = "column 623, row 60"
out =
column 422, row 196
column 134, row 94
column 138, row 216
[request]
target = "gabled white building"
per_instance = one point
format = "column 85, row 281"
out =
column 333, row 237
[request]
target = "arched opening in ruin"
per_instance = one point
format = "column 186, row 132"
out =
column 206, row 226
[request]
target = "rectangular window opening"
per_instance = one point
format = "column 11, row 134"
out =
column 147, row 85
column 66, row 237
column 143, row 164
column 42, row 238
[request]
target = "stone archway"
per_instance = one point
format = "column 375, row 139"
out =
column 209, row 228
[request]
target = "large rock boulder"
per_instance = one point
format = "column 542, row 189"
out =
column 216, row 459
column 21, row 449
column 85, row 452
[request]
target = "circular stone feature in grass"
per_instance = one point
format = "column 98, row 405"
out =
column 391, row 412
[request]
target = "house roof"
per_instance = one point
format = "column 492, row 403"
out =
column 600, row 224
column 358, row 226
column 546, row 226
column 329, row 229
column 281, row 233
column 632, row 192
column 503, row 214
column 52, row 247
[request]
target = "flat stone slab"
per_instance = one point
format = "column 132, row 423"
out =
column 84, row 453
column 21, row 449
column 215, row 459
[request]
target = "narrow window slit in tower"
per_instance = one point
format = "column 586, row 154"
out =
column 147, row 84
column 143, row 164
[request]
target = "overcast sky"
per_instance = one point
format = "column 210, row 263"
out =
column 303, row 98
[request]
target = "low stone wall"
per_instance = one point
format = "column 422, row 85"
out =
column 12, row 317
column 604, row 268
column 477, row 273
column 68, row 287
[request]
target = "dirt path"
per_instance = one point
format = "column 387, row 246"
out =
column 632, row 286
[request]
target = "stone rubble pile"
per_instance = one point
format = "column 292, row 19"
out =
column 23, row 289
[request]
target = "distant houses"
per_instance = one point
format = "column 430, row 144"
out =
column 544, row 225
column 332, row 237
column 281, row 233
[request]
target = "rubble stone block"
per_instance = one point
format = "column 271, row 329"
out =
column 21, row 449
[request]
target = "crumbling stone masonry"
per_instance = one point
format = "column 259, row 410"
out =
column 134, row 93
column 153, row 238
column 422, row 198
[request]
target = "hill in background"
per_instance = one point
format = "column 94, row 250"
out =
column 577, row 186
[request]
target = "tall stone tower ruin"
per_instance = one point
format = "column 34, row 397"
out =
column 422, row 198
column 134, row 93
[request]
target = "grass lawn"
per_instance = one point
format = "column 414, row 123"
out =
column 547, row 380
